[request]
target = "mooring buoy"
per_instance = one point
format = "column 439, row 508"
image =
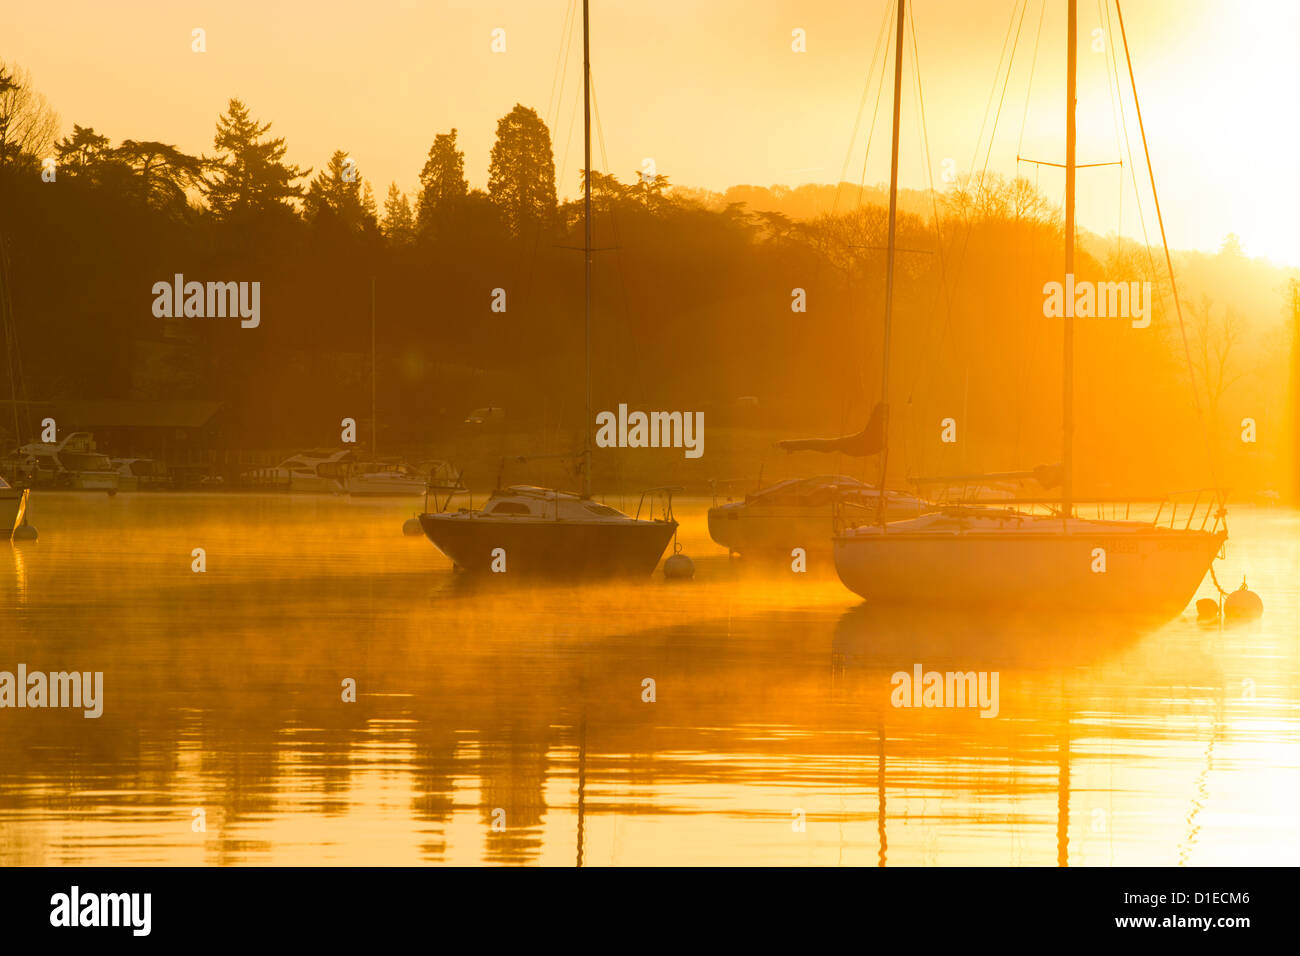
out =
column 411, row 527
column 1207, row 609
column 1243, row 604
column 679, row 567
column 24, row 532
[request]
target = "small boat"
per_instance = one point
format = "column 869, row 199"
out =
column 13, row 506
column 141, row 474
column 72, row 463
column 541, row 532
column 318, row 471
column 384, row 480
column 801, row 513
column 525, row 530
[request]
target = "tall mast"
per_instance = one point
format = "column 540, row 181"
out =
column 1067, row 360
column 374, row 419
column 889, row 261
column 586, row 241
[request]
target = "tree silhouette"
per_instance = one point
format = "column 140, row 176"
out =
column 336, row 199
column 250, row 177
column 442, row 184
column 521, row 177
column 399, row 224
column 83, row 151
column 161, row 173
column 27, row 124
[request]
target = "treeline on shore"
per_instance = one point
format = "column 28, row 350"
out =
column 770, row 324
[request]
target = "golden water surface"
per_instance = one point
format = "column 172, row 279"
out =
column 495, row 723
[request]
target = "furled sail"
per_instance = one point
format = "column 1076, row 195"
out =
column 869, row 441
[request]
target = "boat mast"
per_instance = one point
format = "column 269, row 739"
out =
column 889, row 262
column 586, row 241
column 374, row 420
column 1067, row 360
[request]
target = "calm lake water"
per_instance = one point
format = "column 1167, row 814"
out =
column 503, row 724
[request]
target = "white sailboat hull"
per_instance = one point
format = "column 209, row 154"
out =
column 1153, row 571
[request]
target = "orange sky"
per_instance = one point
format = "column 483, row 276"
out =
column 710, row 90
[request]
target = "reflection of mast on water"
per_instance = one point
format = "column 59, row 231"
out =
column 881, row 837
column 1202, row 795
column 582, row 779
column 1063, row 791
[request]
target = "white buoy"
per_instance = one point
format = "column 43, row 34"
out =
column 679, row 567
column 24, row 532
column 1207, row 609
column 411, row 527
column 1243, row 604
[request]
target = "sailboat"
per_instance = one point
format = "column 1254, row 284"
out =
column 13, row 500
column 1009, row 558
column 13, row 507
column 535, row 531
column 377, row 477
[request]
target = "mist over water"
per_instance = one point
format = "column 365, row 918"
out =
column 1113, row 745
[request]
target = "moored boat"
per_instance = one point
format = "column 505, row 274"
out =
column 530, row 531
column 1000, row 558
column 1004, row 557
column 13, row 506
column 540, row 532
column 801, row 513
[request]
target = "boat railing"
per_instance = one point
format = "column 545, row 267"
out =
column 847, row 514
column 725, row 486
column 443, row 492
column 1202, row 509
column 662, row 497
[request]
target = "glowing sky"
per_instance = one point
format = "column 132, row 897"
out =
column 710, row 90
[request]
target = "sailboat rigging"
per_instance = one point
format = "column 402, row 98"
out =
column 540, row 531
column 1005, row 557
column 802, row 512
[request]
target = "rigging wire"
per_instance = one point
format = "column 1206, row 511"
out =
column 561, row 65
column 1013, row 26
column 1033, row 66
column 1032, row 358
column 1164, row 241
column 944, row 289
column 1128, row 148
column 1112, row 85
column 857, row 120
column 1002, row 56
column 1001, row 99
column 965, row 211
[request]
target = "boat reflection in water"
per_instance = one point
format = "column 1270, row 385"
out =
column 1027, row 659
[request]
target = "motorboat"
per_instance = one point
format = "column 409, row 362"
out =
column 141, row 474
column 317, row 471
column 73, row 463
column 384, row 480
